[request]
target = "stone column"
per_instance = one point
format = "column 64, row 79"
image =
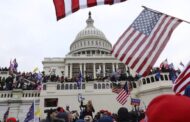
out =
column 80, row 66
column 94, row 70
column 113, row 67
column 116, row 67
column 84, row 70
column 104, row 73
column 66, row 73
column 126, row 70
column 71, row 70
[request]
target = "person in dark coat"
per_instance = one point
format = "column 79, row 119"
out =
column 88, row 109
column 123, row 115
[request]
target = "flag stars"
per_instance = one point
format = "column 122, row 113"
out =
column 146, row 21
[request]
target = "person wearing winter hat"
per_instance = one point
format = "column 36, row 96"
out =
column 11, row 119
column 123, row 115
column 168, row 108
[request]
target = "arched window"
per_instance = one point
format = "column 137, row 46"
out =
column 134, row 85
column 58, row 86
column 144, row 82
column 66, row 86
column 71, row 86
column 83, row 86
column 75, row 86
column 99, row 86
column 152, row 79
column 95, row 86
column 62, row 86
column 107, row 85
column 44, row 87
column 162, row 77
column 166, row 77
column 103, row 86
column 148, row 80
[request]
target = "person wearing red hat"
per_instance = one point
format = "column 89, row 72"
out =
column 11, row 119
column 168, row 108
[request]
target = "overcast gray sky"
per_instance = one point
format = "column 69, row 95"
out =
column 29, row 30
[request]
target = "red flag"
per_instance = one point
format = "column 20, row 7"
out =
column 182, row 80
column 66, row 7
column 141, row 44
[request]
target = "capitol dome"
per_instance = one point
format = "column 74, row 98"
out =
column 90, row 40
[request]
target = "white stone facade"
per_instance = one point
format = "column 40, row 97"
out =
column 89, row 52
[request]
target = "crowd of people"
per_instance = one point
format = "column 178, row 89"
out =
column 87, row 114
column 33, row 80
column 163, row 108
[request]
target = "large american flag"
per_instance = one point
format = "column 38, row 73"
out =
column 66, row 7
column 183, row 80
column 141, row 44
column 123, row 94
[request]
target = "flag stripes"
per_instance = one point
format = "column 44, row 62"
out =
column 182, row 80
column 122, row 96
column 116, row 90
column 124, row 93
column 139, row 47
column 66, row 7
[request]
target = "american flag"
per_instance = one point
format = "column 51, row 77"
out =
column 183, row 80
column 6, row 114
column 116, row 88
column 123, row 94
column 66, row 7
column 141, row 44
column 30, row 114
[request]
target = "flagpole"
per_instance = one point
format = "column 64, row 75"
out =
column 164, row 13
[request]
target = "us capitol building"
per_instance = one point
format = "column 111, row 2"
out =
column 89, row 54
